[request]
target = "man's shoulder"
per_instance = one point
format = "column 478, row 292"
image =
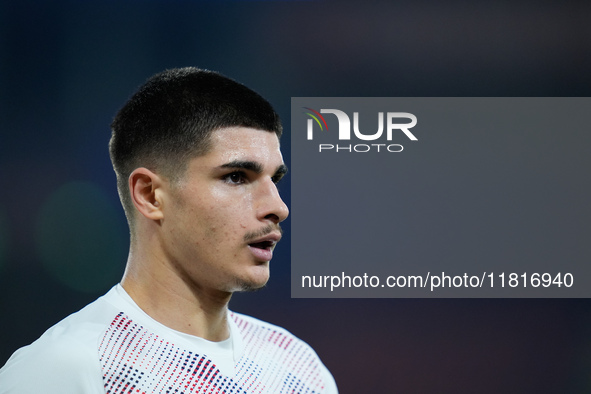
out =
column 65, row 353
column 79, row 330
column 276, row 349
column 249, row 325
column 244, row 321
column 257, row 332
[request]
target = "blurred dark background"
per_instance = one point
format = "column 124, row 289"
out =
column 67, row 66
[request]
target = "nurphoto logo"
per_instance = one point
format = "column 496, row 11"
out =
column 393, row 125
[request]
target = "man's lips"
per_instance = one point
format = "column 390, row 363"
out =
column 262, row 248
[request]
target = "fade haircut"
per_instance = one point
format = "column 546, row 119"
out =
column 171, row 117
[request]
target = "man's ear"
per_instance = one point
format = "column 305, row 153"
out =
column 145, row 188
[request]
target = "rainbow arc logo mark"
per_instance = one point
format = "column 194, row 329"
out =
column 315, row 117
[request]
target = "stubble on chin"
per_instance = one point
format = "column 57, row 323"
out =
column 244, row 285
column 249, row 287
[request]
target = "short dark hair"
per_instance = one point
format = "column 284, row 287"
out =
column 170, row 119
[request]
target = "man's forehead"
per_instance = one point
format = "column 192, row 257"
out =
column 242, row 143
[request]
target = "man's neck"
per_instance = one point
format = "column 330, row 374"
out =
column 177, row 303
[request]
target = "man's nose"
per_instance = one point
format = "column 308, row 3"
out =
column 271, row 206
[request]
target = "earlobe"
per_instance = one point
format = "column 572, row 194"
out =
column 144, row 187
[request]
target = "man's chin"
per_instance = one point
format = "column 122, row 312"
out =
column 251, row 289
column 248, row 285
column 252, row 283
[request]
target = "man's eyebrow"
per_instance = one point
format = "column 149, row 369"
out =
column 281, row 170
column 254, row 166
column 244, row 165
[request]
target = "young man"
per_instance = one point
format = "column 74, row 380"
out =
column 197, row 161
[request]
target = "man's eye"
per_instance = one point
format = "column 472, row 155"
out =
column 235, row 178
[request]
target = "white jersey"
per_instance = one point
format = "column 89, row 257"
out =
column 112, row 346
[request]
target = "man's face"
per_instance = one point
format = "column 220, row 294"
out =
column 221, row 223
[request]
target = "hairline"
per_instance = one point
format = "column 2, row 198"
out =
column 206, row 147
